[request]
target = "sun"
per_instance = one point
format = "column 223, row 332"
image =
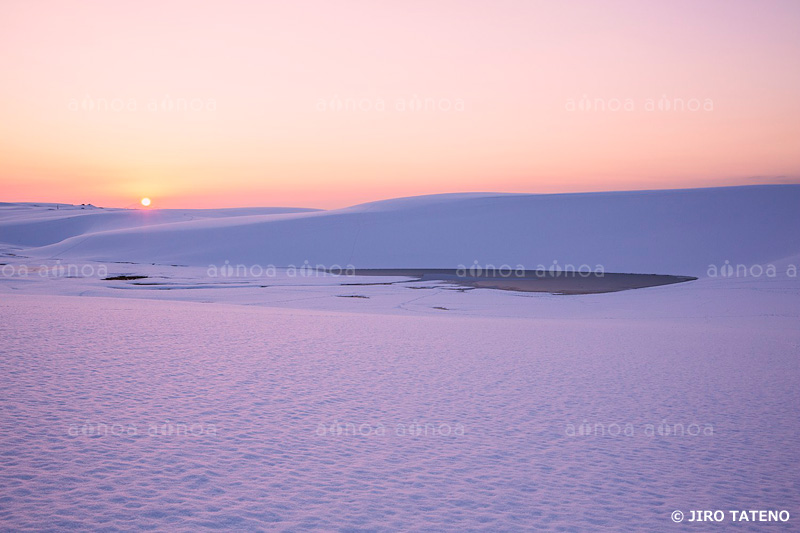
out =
column 145, row 201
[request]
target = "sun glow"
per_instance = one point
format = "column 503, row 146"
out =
column 145, row 202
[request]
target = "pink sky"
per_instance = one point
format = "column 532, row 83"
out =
column 84, row 83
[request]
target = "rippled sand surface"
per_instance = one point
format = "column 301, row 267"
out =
column 127, row 414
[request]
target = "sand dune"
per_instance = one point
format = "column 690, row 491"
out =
column 678, row 232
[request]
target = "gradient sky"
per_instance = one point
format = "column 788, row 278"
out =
column 313, row 103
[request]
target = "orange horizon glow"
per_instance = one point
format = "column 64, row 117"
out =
column 317, row 104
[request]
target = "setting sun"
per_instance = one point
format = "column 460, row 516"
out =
column 485, row 264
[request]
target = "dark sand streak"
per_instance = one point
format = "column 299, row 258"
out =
column 533, row 281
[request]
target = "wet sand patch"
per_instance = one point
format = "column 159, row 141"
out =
column 535, row 281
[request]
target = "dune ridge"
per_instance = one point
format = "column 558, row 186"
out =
column 676, row 232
